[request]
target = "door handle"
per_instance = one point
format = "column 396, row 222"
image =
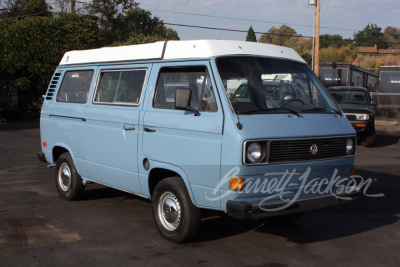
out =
column 149, row 130
column 128, row 128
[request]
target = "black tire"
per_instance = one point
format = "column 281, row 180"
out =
column 69, row 183
column 369, row 140
column 174, row 214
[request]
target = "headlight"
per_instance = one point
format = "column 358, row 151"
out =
column 350, row 146
column 254, row 152
column 362, row 117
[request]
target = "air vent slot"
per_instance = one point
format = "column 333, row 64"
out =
column 53, row 86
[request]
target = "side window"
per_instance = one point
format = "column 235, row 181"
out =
column 75, row 86
column 122, row 87
column 196, row 79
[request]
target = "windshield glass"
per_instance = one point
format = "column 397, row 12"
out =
column 349, row 97
column 261, row 85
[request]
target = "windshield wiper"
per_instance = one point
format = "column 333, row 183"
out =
column 255, row 111
column 321, row 108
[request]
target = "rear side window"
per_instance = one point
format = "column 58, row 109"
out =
column 75, row 86
column 197, row 79
column 120, row 87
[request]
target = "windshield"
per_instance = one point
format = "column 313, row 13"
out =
column 261, row 85
column 349, row 97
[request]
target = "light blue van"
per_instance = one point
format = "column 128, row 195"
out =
column 160, row 121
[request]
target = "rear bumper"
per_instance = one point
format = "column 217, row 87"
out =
column 41, row 156
column 249, row 210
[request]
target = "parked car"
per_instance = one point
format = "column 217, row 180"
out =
column 154, row 120
column 357, row 105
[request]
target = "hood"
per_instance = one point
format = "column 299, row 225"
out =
column 350, row 108
column 287, row 126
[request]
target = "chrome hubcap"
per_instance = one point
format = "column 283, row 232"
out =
column 169, row 211
column 64, row 177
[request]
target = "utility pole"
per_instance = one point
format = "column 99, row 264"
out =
column 72, row 6
column 316, row 62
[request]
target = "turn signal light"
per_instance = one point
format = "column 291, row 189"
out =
column 236, row 183
column 360, row 125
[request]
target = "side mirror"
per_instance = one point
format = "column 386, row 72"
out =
column 182, row 100
column 287, row 97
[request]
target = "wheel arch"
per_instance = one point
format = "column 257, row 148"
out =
column 158, row 173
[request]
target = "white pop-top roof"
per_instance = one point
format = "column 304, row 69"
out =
column 178, row 50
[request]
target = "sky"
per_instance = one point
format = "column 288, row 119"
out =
column 343, row 17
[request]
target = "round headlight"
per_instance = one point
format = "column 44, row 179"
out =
column 254, row 152
column 349, row 146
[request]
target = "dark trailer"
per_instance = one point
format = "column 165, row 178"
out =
column 388, row 96
column 345, row 74
column 389, row 79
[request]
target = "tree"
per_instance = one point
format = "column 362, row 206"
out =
column 335, row 41
column 278, row 36
column 331, row 54
column 392, row 37
column 139, row 39
column 251, row 36
column 64, row 6
column 306, row 56
column 108, row 11
column 350, row 52
column 23, row 8
column 371, row 35
column 138, row 21
column 31, row 48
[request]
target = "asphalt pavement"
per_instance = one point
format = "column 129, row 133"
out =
column 108, row 227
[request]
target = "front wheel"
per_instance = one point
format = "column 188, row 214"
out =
column 369, row 139
column 68, row 182
column 174, row 214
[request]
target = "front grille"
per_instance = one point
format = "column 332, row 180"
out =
column 301, row 149
column 351, row 117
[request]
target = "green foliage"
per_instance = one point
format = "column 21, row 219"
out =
column 392, row 37
column 278, row 36
column 331, row 54
column 24, row 8
column 138, row 21
column 251, row 35
column 335, row 41
column 350, row 52
column 371, row 35
column 32, row 47
column 139, row 39
column 108, row 11
column 306, row 56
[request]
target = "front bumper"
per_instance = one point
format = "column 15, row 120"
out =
column 41, row 156
column 361, row 126
column 253, row 210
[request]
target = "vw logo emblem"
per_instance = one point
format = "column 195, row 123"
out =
column 314, row 149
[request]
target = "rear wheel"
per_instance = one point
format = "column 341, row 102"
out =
column 69, row 183
column 174, row 214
